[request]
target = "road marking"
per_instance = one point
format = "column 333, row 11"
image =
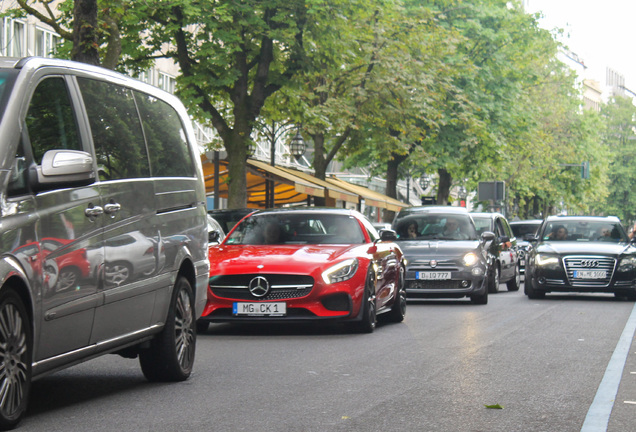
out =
column 599, row 413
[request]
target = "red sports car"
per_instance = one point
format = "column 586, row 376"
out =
column 306, row 264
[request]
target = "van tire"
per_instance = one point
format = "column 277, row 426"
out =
column 171, row 353
column 16, row 339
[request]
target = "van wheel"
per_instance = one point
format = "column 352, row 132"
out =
column 171, row 353
column 16, row 344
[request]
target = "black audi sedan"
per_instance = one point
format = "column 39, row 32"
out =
column 446, row 257
column 581, row 254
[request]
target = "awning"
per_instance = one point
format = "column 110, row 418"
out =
column 371, row 197
column 288, row 189
column 334, row 191
column 293, row 186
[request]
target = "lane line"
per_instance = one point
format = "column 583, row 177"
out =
column 599, row 413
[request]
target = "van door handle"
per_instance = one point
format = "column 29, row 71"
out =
column 93, row 212
column 112, row 208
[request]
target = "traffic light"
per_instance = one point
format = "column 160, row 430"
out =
column 585, row 170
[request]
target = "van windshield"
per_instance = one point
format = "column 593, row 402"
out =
column 7, row 78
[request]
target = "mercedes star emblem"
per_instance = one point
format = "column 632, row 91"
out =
column 259, row 287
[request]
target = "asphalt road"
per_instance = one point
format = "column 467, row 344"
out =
column 541, row 360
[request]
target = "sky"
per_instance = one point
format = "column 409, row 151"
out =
column 601, row 32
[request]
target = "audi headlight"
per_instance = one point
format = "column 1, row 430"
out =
column 341, row 271
column 549, row 262
column 627, row 264
column 470, row 258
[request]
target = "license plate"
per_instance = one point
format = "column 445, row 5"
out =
column 590, row 274
column 522, row 263
column 433, row 275
column 259, row 309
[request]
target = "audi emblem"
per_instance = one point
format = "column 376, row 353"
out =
column 259, row 287
column 589, row 263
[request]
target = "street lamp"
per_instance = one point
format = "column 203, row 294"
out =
column 425, row 181
column 297, row 145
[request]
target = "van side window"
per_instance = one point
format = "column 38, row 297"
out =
column 50, row 120
column 119, row 142
column 169, row 151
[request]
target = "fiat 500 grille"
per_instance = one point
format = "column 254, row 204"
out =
column 433, row 285
column 585, row 263
column 281, row 287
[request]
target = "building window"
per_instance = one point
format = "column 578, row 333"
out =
column 16, row 38
column 45, row 43
column 166, row 82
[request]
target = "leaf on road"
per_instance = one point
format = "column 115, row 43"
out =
column 496, row 406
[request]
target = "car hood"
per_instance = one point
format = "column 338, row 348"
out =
column 585, row 248
column 290, row 259
column 437, row 247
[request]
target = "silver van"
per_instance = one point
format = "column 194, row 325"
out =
column 103, row 229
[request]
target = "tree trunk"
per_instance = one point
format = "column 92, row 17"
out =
column 391, row 184
column 237, row 167
column 320, row 163
column 85, row 42
column 443, row 190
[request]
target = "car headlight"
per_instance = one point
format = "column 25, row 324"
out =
column 547, row 261
column 627, row 264
column 341, row 271
column 470, row 258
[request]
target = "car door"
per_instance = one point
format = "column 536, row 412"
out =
column 507, row 259
column 386, row 261
column 60, row 223
column 133, row 252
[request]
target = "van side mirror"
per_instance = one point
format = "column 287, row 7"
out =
column 63, row 167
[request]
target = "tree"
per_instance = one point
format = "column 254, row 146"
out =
column 620, row 139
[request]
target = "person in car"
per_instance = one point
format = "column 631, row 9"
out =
column 452, row 230
column 411, row 230
column 558, row 233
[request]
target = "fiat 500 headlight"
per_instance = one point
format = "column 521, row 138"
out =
column 627, row 264
column 548, row 262
column 470, row 258
column 340, row 272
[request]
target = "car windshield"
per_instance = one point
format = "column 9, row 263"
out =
column 297, row 228
column 436, row 226
column 521, row 229
column 583, row 231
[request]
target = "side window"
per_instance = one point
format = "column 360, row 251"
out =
column 50, row 120
column 119, row 142
column 170, row 154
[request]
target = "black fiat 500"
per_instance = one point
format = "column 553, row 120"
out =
column 581, row 254
column 446, row 257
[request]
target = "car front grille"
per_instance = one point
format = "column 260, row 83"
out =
column 586, row 263
column 434, row 285
column 281, row 287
